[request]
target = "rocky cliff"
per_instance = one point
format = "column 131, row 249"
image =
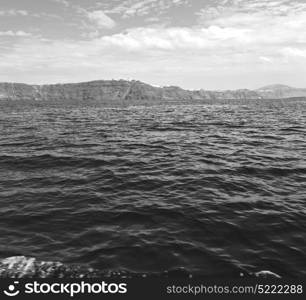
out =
column 136, row 90
column 79, row 91
column 279, row 91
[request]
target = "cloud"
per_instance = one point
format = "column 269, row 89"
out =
column 174, row 38
column 271, row 25
column 63, row 2
column 249, row 12
column 91, row 21
column 13, row 13
column 234, row 39
column 11, row 33
column 293, row 52
column 266, row 59
column 25, row 13
column 101, row 19
column 139, row 8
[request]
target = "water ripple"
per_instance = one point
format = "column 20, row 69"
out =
column 213, row 187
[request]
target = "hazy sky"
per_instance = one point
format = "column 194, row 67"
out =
column 211, row 44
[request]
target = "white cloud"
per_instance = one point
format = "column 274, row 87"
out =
column 25, row 13
column 266, row 59
column 239, row 39
column 13, row 13
column 63, row 2
column 293, row 52
column 174, row 39
column 271, row 25
column 132, row 8
column 18, row 33
column 101, row 19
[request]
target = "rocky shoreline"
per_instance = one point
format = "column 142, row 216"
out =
column 135, row 90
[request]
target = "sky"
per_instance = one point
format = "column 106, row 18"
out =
column 209, row 44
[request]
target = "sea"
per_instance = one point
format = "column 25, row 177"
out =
column 216, row 188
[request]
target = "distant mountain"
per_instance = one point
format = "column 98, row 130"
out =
column 277, row 91
column 136, row 90
column 276, row 87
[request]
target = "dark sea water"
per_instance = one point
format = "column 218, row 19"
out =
column 213, row 187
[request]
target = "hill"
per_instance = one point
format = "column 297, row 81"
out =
column 136, row 90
